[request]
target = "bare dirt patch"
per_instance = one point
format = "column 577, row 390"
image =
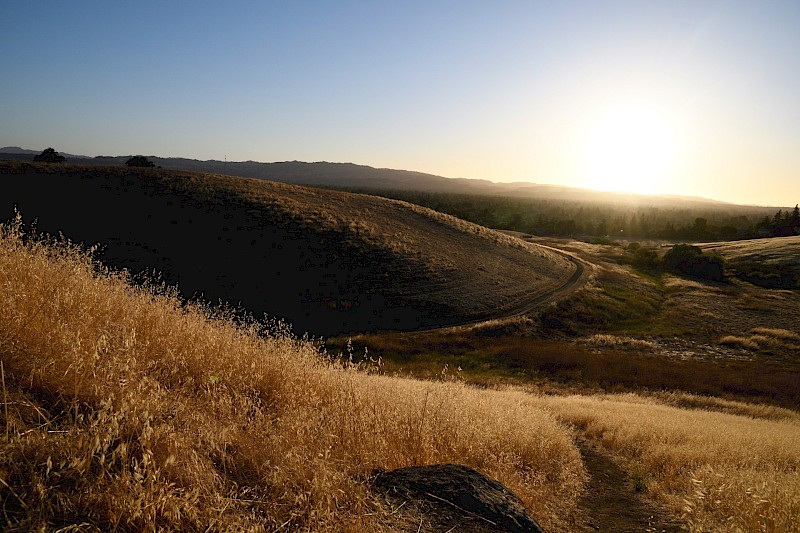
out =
column 613, row 501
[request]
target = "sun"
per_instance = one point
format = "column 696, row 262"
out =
column 629, row 149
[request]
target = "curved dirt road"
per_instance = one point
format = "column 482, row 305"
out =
column 578, row 278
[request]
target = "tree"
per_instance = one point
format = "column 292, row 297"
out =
column 794, row 222
column 782, row 224
column 49, row 155
column 692, row 261
column 700, row 229
column 139, row 161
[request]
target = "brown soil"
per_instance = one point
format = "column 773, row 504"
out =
column 611, row 502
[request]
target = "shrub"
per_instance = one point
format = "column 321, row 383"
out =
column 139, row 161
column 691, row 260
column 645, row 257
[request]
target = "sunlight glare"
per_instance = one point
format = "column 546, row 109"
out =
column 630, row 150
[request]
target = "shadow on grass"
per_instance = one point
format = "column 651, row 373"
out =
column 574, row 366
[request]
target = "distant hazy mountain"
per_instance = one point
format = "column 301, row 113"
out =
column 349, row 175
column 9, row 152
column 18, row 150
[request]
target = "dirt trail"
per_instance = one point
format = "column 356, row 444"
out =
column 576, row 280
column 612, row 504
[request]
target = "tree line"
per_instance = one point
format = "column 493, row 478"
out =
column 581, row 219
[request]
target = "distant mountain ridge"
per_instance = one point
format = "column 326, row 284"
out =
column 353, row 176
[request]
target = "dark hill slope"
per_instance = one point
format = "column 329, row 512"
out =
column 327, row 261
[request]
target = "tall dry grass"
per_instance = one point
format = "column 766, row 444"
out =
column 126, row 409
column 721, row 472
column 767, row 339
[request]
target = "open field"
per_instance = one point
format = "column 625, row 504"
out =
column 325, row 261
column 125, row 409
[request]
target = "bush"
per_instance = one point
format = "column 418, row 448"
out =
column 691, row 260
column 645, row 257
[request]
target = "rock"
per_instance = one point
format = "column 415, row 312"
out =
column 459, row 488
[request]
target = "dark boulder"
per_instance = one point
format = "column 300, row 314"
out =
column 461, row 492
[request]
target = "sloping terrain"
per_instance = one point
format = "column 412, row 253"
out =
column 328, row 262
column 124, row 410
column 771, row 263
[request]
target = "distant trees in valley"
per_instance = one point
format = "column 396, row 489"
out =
column 49, row 155
column 783, row 223
column 616, row 221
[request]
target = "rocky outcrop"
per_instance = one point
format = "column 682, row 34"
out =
column 461, row 493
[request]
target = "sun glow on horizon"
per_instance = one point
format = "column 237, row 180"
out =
column 630, row 149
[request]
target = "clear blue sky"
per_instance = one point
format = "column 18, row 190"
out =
column 684, row 97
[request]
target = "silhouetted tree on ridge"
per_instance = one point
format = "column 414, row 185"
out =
column 139, row 161
column 49, row 155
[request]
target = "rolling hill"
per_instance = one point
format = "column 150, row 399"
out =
column 771, row 263
column 326, row 261
column 353, row 176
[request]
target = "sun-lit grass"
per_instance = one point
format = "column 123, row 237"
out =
column 766, row 339
column 600, row 339
column 721, row 472
column 126, row 409
column 772, row 263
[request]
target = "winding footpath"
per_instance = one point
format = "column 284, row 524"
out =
column 611, row 502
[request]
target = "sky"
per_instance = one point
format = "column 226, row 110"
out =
column 697, row 98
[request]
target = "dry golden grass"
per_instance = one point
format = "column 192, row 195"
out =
column 773, row 263
column 125, row 409
column 721, row 472
column 685, row 400
column 622, row 341
column 773, row 250
column 766, row 339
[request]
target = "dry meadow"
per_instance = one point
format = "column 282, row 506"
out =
column 126, row 408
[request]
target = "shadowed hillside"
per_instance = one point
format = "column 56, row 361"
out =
column 328, row 262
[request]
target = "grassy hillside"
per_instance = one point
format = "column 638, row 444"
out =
column 329, row 262
column 124, row 409
column 771, row 263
